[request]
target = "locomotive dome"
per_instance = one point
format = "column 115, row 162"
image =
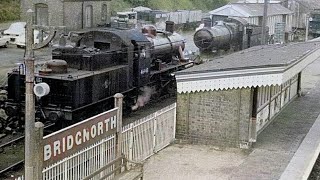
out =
column 57, row 66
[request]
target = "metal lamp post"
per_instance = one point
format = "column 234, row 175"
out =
column 29, row 101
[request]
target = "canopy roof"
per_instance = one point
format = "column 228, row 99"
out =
column 249, row 10
column 257, row 66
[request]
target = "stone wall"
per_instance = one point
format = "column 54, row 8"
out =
column 219, row 118
column 73, row 15
column 70, row 13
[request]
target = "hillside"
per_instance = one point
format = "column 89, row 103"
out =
column 10, row 9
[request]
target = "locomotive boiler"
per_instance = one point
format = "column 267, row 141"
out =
column 232, row 33
column 83, row 76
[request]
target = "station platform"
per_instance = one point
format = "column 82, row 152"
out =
column 286, row 149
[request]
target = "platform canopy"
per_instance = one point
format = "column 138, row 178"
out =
column 257, row 66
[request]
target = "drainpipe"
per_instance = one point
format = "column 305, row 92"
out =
column 82, row 15
column 264, row 22
column 307, row 27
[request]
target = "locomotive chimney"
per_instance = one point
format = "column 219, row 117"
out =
column 207, row 22
column 170, row 26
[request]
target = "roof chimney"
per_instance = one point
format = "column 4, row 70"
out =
column 170, row 26
column 207, row 22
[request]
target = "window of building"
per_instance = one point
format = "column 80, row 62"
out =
column 41, row 14
column 104, row 12
column 88, row 16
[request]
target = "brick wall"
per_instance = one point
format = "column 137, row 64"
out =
column 214, row 117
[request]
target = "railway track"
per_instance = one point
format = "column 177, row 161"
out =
column 12, row 146
column 12, row 152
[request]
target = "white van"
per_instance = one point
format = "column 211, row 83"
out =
column 15, row 30
column 21, row 40
column 17, row 34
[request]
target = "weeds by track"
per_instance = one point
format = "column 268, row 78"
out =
column 12, row 152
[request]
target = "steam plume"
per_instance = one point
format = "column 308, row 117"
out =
column 144, row 98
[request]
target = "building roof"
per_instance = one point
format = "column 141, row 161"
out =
column 249, row 10
column 310, row 4
column 256, row 66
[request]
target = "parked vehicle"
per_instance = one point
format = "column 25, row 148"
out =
column 4, row 40
column 15, row 30
column 125, row 20
column 21, row 40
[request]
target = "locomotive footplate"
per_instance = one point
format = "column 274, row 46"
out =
column 172, row 68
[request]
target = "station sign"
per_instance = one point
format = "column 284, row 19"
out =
column 72, row 139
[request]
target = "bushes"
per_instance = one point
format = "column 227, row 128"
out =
column 9, row 10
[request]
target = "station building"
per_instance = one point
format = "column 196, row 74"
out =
column 230, row 100
column 73, row 14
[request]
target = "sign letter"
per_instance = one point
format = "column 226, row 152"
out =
column 47, row 152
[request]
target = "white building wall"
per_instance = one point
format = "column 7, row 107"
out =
column 289, row 23
column 253, row 20
column 271, row 23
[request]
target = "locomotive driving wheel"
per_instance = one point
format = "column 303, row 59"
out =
column 2, row 124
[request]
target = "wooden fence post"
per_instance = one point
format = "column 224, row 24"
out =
column 38, row 160
column 130, row 156
column 118, row 99
column 154, row 131
column 174, row 121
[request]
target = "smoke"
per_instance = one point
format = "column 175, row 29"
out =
column 144, row 98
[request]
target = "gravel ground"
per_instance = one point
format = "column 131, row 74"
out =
column 9, row 57
column 188, row 162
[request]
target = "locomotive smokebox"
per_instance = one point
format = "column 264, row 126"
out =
column 219, row 36
column 203, row 39
column 170, row 26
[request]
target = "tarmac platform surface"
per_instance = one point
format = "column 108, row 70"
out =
column 286, row 149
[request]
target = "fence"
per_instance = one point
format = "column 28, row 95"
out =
column 144, row 137
column 140, row 140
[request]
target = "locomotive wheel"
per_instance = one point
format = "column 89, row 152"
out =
column 10, row 111
column 2, row 124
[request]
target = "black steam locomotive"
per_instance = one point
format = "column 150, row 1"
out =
column 231, row 33
column 84, row 76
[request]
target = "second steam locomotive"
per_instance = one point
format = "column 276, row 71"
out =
column 84, row 76
column 232, row 33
